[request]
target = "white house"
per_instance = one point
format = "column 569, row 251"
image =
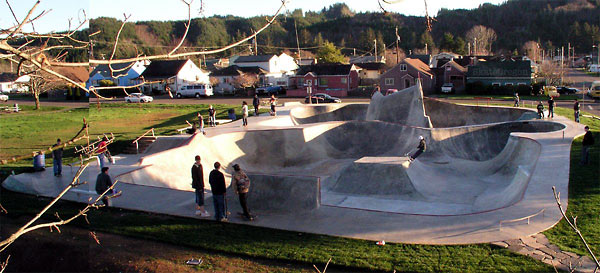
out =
column 175, row 73
column 126, row 74
column 11, row 82
column 227, row 77
column 279, row 68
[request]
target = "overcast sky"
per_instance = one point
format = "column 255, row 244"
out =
column 162, row 10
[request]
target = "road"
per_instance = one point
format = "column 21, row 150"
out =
column 579, row 79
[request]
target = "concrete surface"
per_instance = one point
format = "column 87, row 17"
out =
column 340, row 170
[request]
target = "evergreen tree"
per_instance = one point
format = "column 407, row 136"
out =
column 329, row 53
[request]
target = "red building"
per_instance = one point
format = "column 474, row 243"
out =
column 406, row 73
column 332, row 79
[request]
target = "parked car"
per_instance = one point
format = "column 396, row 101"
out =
column 4, row 98
column 595, row 90
column 138, row 97
column 448, row 88
column 269, row 90
column 196, row 90
column 323, row 98
column 594, row 68
column 390, row 91
column 563, row 90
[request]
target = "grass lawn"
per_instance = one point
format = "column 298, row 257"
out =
column 503, row 97
column 128, row 121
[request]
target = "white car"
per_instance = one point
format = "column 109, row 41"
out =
column 4, row 98
column 138, row 97
column 196, row 90
column 448, row 88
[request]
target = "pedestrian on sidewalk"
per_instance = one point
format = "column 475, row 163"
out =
column 256, row 104
column 241, row 184
column 198, row 185
column 216, row 179
column 517, row 100
column 57, row 155
column 212, row 116
column 273, row 102
column 420, row 149
column 244, row 113
column 540, row 109
column 576, row 111
column 551, row 107
column 588, row 142
column 103, row 183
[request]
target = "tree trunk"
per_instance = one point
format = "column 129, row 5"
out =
column 36, row 96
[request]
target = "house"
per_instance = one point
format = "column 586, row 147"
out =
column 215, row 64
column 442, row 58
column 226, row 80
column 406, row 73
column 451, row 72
column 367, row 59
column 500, row 72
column 77, row 74
column 425, row 58
column 11, row 82
column 278, row 68
column 175, row 73
column 125, row 74
column 370, row 72
column 333, row 79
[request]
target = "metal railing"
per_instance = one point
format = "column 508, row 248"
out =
column 522, row 218
column 136, row 141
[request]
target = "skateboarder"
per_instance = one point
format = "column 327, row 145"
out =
column 102, row 152
column 57, row 158
column 103, row 182
column 198, row 185
column 217, row 185
column 551, row 107
column 211, row 116
column 516, row 100
column 244, row 113
column 256, row 104
column 241, row 185
column 420, row 149
column 588, row 142
column 540, row 109
column 576, row 111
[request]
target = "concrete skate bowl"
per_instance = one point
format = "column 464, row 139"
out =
column 465, row 170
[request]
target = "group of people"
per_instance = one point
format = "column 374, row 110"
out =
column 239, row 181
column 256, row 104
column 540, row 108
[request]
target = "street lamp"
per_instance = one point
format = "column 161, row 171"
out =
column 597, row 46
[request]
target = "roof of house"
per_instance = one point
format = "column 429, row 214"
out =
column 371, row 66
column 8, row 77
column 366, row 59
column 500, row 68
column 77, row 74
column 325, row 69
column 419, row 65
column 456, row 66
column 235, row 70
column 118, row 70
column 163, row 69
column 425, row 58
column 254, row 59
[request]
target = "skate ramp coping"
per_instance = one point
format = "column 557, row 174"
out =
column 284, row 193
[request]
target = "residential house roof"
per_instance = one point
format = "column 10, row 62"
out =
column 325, row 69
column 419, row 65
column 367, row 59
column 456, row 66
column 118, row 70
column 77, row 74
column 235, row 70
column 8, row 77
column 371, row 66
column 254, row 58
column 501, row 68
column 425, row 58
column 163, row 69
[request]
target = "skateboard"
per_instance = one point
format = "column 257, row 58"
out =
column 119, row 193
column 252, row 217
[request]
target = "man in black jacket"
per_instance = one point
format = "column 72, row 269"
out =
column 551, row 107
column 256, row 104
column 198, row 185
column 588, row 142
column 103, row 182
column 217, row 185
column 576, row 111
column 57, row 155
column 420, row 149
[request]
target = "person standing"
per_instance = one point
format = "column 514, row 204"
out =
column 420, row 149
column 102, row 152
column 57, row 154
column 540, row 109
column 201, row 123
column 273, row 102
column 244, row 114
column 103, row 183
column 216, row 179
column 588, row 142
column 198, row 185
column 211, row 116
column 576, row 111
column 551, row 107
column 517, row 100
column 256, row 104
column 241, row 184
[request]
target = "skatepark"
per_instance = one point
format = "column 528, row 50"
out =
column 342, row 170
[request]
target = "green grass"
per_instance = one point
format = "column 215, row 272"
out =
column 503, row 97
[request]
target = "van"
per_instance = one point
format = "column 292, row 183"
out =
column 595, row 68
column 195, row 90
column 595, row 90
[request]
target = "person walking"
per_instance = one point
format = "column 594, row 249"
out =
column 576, row 111
column 517, row 100
column 103, row 183
column 540, row 109
column 241, row 184
column 256, row 104
column 588, row 142
column 216, row 179
column 57, row 155
column 420, row 149
column 102, row 152
column 273, row 102
column 198, row 185
column 551, row 107
column 244, row 113
column 212, row 116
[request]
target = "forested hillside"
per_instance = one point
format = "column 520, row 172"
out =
column 551, row 23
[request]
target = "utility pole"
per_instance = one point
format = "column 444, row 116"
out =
column 475, row 47
column 469, row 48
column 397, row 50
column 375, row 49
column 426, row 51
column 297, row 41
column 255, row 46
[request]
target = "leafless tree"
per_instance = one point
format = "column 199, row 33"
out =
column 532, row 50
column 551, row 72
column 245, row 80
column 482, row 38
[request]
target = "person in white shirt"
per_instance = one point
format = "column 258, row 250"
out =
column 244, row 114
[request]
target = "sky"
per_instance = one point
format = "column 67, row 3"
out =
column 163, row 10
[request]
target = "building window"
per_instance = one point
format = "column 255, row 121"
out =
column 496, row 84
column 402, row 67
column 323, row 81
column 448, row 68
column 344, row 80
column 406, row 83
column 389, row 81
column 508, row 84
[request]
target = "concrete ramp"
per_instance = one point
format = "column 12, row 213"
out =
column 284, row 193
column 403, row 107
column 328, row 112
column 445, row 114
